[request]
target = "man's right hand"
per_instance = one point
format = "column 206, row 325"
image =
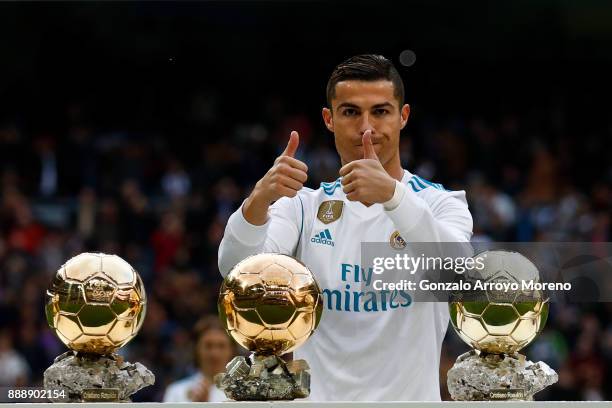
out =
column 284, row 179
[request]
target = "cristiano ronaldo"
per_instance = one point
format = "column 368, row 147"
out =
column 378, row 345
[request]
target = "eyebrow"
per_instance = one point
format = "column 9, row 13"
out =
column 383, row 105
column 348, row 105
column 377, row 106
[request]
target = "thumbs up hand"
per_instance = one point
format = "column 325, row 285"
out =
column 366, row 180
column 292, row 145
column 368, row 147
column 286, row 177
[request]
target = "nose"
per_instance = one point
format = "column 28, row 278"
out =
column 366, row 124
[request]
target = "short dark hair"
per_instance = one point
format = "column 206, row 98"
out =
column 366, row 67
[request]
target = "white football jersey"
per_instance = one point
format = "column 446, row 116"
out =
column 388, row 348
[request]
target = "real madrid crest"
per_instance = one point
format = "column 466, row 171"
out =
column 396, row 241
column 330, row 211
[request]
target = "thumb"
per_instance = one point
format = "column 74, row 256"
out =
column 294, row 141
column 368, row 147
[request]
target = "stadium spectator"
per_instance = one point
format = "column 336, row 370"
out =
column 14, row 369
column 213, row 349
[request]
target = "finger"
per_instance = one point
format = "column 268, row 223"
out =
column 295, row 174
column 352, row 196
column 291, row 183
column 349, row 188
column 294, row 141
column 283, row 169
column 286, row 191
column 368, row 147
column 349, row 178
column 346, row 169
column 295, row 163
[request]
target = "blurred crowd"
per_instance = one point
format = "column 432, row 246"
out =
column 161, row 202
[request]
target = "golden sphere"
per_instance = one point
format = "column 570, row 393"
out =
column 270, row 303
column 501, row 321
column 96, row 303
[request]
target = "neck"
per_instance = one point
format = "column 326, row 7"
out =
column 394, row 168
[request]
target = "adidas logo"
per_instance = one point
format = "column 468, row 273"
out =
column 323, row 237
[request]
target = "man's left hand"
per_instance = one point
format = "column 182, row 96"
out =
column 366, row 180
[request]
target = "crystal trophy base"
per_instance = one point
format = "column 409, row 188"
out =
column 96, row 378
column 263, row 378
column 486, row 377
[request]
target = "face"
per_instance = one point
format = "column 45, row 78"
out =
column 366, row 105
column 215, row 350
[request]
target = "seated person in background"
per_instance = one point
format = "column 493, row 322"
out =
column 14, row 369
column 213, row 350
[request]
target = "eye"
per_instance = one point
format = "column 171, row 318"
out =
column 381, row 112
column 349, row 112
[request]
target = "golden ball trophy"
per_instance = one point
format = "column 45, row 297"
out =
column 270, row 304
column 96, row 303
column 497, row 324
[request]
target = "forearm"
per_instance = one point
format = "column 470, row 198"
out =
column 241, row 239
column 416, row 221
column 279, row 233
column 255, row 208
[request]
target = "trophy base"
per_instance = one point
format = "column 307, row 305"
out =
column 264, row 378
column 485, row 377
column 95, row 378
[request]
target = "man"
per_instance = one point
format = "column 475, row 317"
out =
column 389, row 347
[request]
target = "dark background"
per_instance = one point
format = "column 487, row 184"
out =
column 155, row 119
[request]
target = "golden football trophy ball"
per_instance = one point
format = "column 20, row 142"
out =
column 497, row 323
column 270, row 304
column 96, row 303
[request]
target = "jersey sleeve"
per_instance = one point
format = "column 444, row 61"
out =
column 280, row 234
column 446, row 218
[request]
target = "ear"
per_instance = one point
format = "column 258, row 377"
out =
column 328, row 119
column 405, row 112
